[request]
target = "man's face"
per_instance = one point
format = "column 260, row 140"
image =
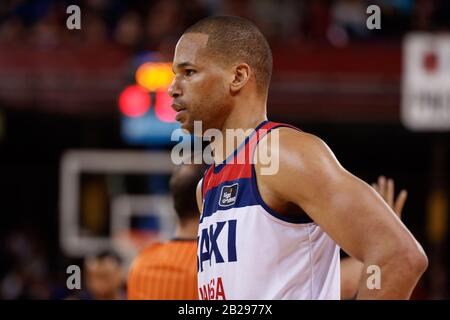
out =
column 200, row 89
column 103, row 277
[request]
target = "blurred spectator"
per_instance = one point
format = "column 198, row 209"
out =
column 129, row 30
column 141, row 24
column 11, row 31
column 104, row 277
column 94, row 30
column 422, row 13
column 282, row 26
column 162, row 21
column 26, row 274
column 45, row 33
column 350, row 16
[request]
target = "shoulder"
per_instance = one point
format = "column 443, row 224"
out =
column 158, row 251
column 148, row 252
column 294, row 148
column 297, row 159
column 299, row 141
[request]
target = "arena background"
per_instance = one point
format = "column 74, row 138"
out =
column 97, row 93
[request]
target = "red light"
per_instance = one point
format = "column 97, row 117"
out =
column 430, row 61
column 163, row 107
column 134, row 101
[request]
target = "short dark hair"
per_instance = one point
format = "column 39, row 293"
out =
column 183, row 187
column 237, row 39
column 109, row 254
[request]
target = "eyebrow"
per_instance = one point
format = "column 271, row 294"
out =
column 182, row 65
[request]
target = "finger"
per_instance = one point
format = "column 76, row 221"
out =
column 400, row 202
column 375, row 186
column 382, row 187
column 390, row 193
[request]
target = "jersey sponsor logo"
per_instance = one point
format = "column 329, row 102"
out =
column 213, row 290
column 228, row 195
column 209, row 249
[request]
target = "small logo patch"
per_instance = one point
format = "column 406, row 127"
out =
column 228, row 195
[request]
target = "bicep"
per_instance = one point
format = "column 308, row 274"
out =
column 350, row 212
column 345, row 207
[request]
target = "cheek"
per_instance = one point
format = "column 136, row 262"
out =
column 213, row 92
column 209, row 98
column 211, row 85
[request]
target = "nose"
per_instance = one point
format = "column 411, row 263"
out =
column 174, row 89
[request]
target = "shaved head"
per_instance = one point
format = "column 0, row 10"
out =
column 220, row 63
column 236, row 40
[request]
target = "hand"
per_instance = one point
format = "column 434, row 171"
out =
column 385, row 188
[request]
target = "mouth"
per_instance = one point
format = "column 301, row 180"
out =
column 180, row 111
column 177, row 107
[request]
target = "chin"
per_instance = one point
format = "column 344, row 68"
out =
column 186, row 126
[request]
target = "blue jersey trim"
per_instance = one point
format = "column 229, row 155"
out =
column 244, row 197
column 272, row 212
column 259, row 199
column 248, row 194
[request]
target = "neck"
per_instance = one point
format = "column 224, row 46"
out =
column 187, row 229
column 245, row 116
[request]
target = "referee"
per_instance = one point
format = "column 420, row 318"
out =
column 168, row 271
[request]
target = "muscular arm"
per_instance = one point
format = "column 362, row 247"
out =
column 351, row 273
column 348, row 210
column 352, row 269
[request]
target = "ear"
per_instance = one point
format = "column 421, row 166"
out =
column 241, row 75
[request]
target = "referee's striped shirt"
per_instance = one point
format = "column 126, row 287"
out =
column 165, row 271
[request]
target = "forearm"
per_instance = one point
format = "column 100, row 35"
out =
column 397, row 279
column 351, row 274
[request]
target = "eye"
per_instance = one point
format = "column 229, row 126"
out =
column 189, row 72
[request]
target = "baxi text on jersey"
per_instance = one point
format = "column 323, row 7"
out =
column 211, row 250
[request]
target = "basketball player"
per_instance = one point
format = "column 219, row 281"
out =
column 168, row 271
column 276, row 236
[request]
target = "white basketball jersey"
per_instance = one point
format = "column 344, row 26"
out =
column 248, row 251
